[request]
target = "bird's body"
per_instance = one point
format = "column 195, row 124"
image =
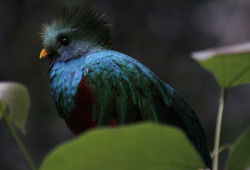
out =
column 116, row 87
column 93, row 85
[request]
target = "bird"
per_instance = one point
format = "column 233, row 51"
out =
column 93, row 85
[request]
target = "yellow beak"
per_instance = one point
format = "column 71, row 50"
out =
column 43, row 53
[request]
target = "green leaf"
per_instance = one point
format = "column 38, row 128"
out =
column 230, row 65
column 17, row 99
column 239, row 157
column 2, row 109
column 140, row 146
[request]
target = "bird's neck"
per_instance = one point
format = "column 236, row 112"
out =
column 86, row 48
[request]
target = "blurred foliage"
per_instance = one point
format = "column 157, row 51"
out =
column 239, row 157
column 230, row 65
column 14, row 106
column 140, row 146
column 16, row 97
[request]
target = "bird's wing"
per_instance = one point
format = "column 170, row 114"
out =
column 124, row 88
column 129, row 91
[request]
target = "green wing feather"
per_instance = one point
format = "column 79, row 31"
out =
column 127, row 90
column 123, row 85
column 123, row 89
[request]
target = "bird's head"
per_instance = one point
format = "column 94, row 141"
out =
column 74, row 32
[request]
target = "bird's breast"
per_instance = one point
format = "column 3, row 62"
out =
column 64, row 83
column 73, row 95
column 81, row 117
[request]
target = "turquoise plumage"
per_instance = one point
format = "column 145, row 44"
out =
column 93, row 85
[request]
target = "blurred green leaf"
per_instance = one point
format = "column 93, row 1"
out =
column 230, row 65
column 140, row 146
column 17, row 99
column 240, row 155
column 2, row 109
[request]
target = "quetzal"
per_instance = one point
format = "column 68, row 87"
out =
column 93, row 85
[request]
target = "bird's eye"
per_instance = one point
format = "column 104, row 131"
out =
column 65, row 41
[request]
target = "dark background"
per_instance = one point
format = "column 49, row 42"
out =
column 159, row 33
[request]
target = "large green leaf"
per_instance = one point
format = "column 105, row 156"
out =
column 17, row 99
column 240, row 155
column 230, row 65
column 141, row 146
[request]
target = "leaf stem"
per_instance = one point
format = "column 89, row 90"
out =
column 18, row 140
column 222, row 101
column 222, row 148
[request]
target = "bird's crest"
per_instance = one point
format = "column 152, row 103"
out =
column 86, row 20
